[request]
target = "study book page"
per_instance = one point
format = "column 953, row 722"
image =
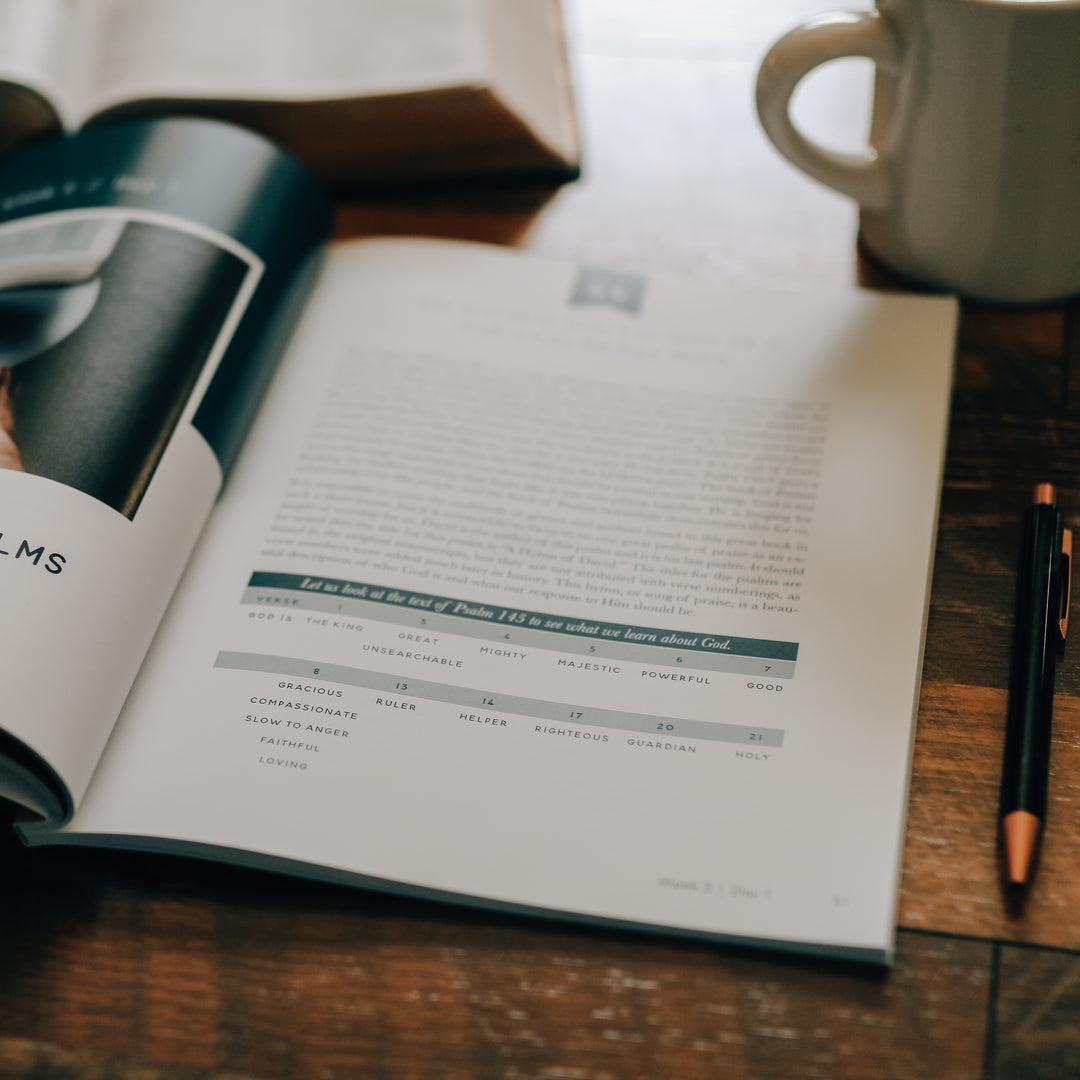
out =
column 142, row 306
column 104, row 482
column 553, row 588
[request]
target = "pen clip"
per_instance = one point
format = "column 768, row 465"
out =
column 1066, row 590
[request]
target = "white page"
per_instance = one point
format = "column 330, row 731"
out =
column 47, row 45
column 85, row 580
column 286, row 49
column 490, row 511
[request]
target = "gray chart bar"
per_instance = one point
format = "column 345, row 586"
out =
column 483, row 701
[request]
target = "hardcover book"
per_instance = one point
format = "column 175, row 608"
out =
column 360, row 90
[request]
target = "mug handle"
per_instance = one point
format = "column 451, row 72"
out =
column 865, row 177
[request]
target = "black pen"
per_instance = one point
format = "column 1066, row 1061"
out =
column 1042, row 616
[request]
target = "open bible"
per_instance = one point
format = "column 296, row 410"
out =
column 359, row 90
column 545, row 587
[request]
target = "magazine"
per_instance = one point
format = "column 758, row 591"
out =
column 544, row 587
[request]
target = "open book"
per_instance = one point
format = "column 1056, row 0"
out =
column 371, row 90
column 533, row 585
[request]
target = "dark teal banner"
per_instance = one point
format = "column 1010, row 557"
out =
column 655, row 637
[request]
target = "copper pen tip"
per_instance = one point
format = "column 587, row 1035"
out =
column 1045, row 495
column 1021, row 832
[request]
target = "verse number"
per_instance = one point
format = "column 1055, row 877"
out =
column 665, row 727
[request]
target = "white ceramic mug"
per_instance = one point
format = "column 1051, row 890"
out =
column 971, row 180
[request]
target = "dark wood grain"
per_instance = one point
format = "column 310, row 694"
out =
column 952, row 870
column 1038, row 1003
column 121, row 967
column 124, row 964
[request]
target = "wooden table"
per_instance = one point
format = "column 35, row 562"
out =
column 147, row 968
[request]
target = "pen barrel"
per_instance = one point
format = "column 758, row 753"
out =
column 1031, row 685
